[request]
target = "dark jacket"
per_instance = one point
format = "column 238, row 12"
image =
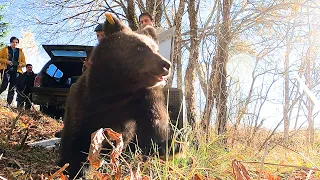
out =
column 25, row 82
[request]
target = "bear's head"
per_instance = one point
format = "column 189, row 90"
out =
column 131, row 59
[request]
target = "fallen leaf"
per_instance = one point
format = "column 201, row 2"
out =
column 100, row 176
column 118, row 173
column 239, row 171
column 198, row 177
column 95, row 147
column 62, row 176
column 97, row 139
column 136, row 174
column 269, row 176
column 117, row 150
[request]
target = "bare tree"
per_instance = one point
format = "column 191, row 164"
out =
column 216, row 90
column 220, row 76
column 289, row 41
column 193, row 60
column 76, row 18
column 310, row 132
column 177, row 56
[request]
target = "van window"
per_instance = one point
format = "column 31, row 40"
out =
column 54, row 72
column 69, row 53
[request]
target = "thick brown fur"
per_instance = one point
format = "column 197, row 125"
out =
column 149, row 31
column 119, row 91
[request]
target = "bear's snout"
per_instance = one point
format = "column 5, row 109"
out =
column 165, row 65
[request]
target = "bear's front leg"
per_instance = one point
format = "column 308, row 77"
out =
column 151, row 138
column 73, row 151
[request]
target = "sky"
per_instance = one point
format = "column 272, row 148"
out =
column 15, row 10
column 18, row 32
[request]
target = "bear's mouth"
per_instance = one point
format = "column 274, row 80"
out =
column 162, row 77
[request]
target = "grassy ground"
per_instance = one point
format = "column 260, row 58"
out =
column 203, row 157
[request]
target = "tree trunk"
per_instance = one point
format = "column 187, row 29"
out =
column 212, row 84
column 208, row 107
column 310, row 136
column 217, row 89
column 310, row 132
column 178, row 45
column 155, row 8
column 178, row 42
column 131, row 15
column 286, row 113
column 220, row 70
column 193, row 59
column 286, row 93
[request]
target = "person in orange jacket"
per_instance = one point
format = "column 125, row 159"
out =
column 12, row 60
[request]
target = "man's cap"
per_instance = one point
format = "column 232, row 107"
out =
column 99, row 28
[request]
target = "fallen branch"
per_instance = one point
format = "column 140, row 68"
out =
column 17, row 163
column 284, row 165
column 13, row 126
column 59, row 171
column 23, row 141
column 262, row 161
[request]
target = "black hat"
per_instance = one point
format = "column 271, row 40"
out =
column 99, row 28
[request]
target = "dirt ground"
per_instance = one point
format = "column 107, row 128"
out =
column 17, row 159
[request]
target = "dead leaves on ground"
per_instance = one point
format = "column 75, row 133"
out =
column 26, row 163
column 39, row 126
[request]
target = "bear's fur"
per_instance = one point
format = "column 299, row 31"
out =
column 119, row 90
column 149, row 31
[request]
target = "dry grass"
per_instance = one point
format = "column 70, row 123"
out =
column 211, row 159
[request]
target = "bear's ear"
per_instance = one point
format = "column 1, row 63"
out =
column 149, row 31
column 113, row 25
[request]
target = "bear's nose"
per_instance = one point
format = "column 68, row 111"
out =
column 166, row 65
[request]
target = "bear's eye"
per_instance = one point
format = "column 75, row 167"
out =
column 140, row 48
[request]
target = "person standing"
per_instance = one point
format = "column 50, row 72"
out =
column 145, row 19
column 12, row 60
column 99, row 32
column 24, row 85
column 100, row 35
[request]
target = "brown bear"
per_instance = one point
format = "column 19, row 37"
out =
column 119, row 90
